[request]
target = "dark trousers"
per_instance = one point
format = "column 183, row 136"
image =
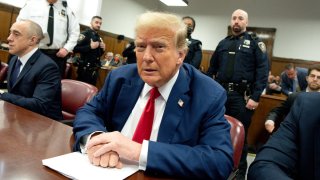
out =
column 88, row 74
column 236, row 107
column 61, row 62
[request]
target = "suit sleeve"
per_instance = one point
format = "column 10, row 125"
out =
column 209, row 159
column 278, row 158
column 282, row 110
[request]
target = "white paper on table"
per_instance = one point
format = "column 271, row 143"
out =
column 77, row 166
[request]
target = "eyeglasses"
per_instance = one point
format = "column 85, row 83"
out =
column 314, row 76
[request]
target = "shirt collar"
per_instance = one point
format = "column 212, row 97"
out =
column 27, row 56
column 308, row 90
column 164, row 90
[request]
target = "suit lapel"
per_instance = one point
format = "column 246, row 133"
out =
column 11, row 65
column 177, row 102
column 125, row 105
column 27, row 66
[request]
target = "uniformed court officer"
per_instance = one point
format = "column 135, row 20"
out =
column 240, row 65
column 91, row 48
column 61, row 35
column 194, row 55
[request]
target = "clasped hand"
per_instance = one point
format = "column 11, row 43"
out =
column 106, row 149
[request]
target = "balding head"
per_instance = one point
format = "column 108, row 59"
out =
column 24, row 36
column 239, row 22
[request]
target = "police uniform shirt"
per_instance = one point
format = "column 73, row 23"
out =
column 251, row 63
column 38, row 11
column 83, row 47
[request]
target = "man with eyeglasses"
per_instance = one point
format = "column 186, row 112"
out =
column 276, row 114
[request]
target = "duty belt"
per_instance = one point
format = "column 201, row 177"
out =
column 50, row 51
column 238, row 87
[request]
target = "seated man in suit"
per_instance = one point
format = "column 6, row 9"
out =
column 278, row 113
column 34, row 80
column 293, row 79
column 180, row 132
column 292, row 152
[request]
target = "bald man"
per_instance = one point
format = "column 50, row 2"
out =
column 240, row 65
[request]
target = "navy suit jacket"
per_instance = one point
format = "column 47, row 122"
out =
column 193, row 139
column 287, row 84
column 38, row 87
column 293, row 151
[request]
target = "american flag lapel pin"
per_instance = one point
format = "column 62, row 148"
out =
column 180, row 102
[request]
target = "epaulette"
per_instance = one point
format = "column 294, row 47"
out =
column 254, row 36
column 228, row 37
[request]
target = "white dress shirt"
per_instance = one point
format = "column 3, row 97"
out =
column 38, row 11
column 133, row 120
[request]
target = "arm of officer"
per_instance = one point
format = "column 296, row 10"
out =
column 262, row 71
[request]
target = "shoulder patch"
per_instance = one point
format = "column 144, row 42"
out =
column 262, row 47
column 81, row 37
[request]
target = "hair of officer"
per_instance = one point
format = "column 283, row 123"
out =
column 34, row 29
column 314, row 67
column 164, row 21
column 94, row 17
column 193, row 21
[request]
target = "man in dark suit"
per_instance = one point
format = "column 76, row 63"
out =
column 189, row 137
column 281, row 111
column 33, row 78
column 292, row 152
column 293, row 79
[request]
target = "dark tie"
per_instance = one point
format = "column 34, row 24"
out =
column 50, row 24
column 15, row 72
column 144, row 127
column 231, row 59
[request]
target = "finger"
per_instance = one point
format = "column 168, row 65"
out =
column 119, row 165
column 104, row 161
column 114, row 159
column 99, row 139
column 102, row 150
column 96, row 161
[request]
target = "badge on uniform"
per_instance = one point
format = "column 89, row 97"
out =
column 262, row 46
column 81, row 37
column 63, row 13
column 246, row 43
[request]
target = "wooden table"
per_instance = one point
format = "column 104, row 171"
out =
column 257, row 134
column 102, row 74
column 27, row 137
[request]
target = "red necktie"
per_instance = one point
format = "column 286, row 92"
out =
column 144, row 127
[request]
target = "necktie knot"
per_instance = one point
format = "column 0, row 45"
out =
column 144, row 127
column 154, row 93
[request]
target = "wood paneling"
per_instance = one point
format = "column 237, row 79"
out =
column 205, row 62
column 279, row 63
column 257, row 134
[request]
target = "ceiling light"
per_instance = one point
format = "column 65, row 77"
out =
column 175, row 2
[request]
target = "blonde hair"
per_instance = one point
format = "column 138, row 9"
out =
column 162, row 20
